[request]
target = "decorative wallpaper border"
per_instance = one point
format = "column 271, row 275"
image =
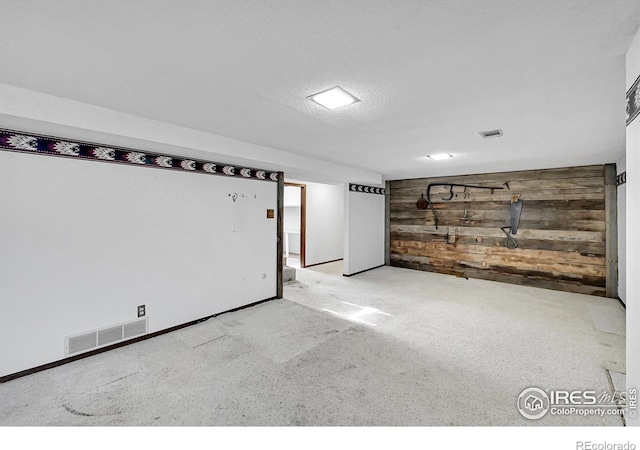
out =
column 621, row 179
column 18, row 141
column 366, row 189
column 633, row 101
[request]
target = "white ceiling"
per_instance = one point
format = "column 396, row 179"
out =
column 430, row 74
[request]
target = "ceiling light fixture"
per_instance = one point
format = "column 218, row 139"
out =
column 440, row 156
column 333, row 98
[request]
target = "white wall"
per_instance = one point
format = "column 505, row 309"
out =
column 291, row 223
column 325, row 223
column 633, row 245
column 364, row 231
column 83, row 243
column 292, row 216
column 622, row 234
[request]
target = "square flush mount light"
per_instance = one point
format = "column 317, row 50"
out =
column 333, row 98
column 439, row 156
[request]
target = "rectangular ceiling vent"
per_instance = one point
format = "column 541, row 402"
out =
column 104, row 336
column 491, row 134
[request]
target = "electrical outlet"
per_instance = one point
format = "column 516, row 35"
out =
column 484, row 264
column 141, row 311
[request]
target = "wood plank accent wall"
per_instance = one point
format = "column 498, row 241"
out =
column 561, row 238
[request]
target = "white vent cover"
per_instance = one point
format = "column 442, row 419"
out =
column 110, row 335
column 82, row 342
column 491, row 134
column 135, row 328
column 104, row 336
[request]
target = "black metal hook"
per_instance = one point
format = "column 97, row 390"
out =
column 450, row 194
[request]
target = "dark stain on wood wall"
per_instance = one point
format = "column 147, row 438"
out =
column 561, row 237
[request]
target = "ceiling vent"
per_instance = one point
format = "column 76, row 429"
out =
column 491, row 134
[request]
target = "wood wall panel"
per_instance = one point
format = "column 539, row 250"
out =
column 561, row 237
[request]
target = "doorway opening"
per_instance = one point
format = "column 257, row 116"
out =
column 295, row 211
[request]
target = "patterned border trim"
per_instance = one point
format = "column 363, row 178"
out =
column 621, row 179
column 365, row 189
column 633, row 101
column 18, row 141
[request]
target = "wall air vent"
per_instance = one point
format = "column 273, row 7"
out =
column 135, row 328
column 80, row 343
column 104, row 336
column 110, row 335
column 491, row 134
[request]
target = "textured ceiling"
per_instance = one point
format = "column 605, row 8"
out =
column 429, row 74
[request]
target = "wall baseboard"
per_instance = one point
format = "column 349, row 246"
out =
column 624, row 305
column 320, row 263
column 70, row 359
column 365, row 270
